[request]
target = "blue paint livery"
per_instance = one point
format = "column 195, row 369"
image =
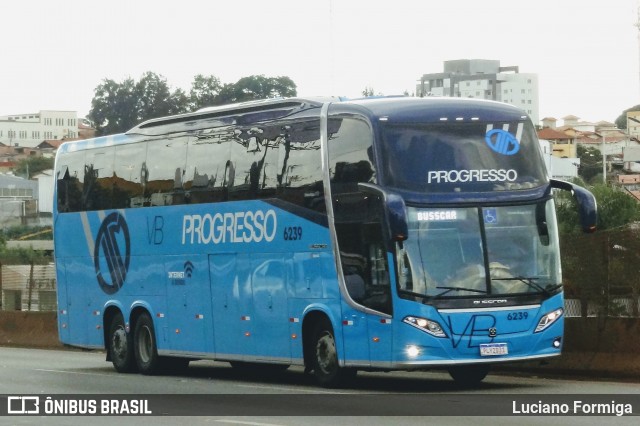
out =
column 249, row 280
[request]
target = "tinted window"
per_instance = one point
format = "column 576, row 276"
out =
column 363, row 254
column 300, row 166
column 206, row 177
column 130, row 172
column 254, row 163
column 165, row 167
column 99, row 179
column 462, row 157
column 350, row 154
column 70, row 182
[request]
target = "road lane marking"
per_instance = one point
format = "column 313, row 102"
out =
column 281, row 388
column 71, row 372
column 240, row 422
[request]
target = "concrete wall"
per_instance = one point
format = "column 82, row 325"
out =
column 594, row 347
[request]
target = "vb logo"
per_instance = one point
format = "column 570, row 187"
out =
column 111, row 253
column 502, row 142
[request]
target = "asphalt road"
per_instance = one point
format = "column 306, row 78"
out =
column 221, row 395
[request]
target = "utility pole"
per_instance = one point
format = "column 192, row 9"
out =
column 637, row 25
column 604, row 160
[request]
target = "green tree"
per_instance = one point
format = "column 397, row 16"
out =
column 31, row 166
column 205, row 91
column 113, row 108
column 368, row 92
column 621, row 121
column 117, row 107
column 155, row 99
column 590, row 164
column 257, row 87
column 615, row 209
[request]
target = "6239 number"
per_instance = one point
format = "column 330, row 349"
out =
column 516, row 316
column 292, row 233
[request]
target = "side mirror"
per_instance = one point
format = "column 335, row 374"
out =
column 587, row 207
column 395, row 211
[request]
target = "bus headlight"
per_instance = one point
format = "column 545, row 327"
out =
column 428, row 326
column 549, row 319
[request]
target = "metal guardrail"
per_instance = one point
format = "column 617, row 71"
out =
column 601, row 273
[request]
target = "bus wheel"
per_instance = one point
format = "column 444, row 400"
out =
column 469, row 375
column 145, row 347
column 121, row 346
column 325, row 359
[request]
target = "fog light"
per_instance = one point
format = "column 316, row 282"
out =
column 557, row 342
column 413, row 351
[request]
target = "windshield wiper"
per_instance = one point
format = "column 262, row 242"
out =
column 450, row 289
column 529, row 281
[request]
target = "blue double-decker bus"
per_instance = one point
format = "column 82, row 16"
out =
column 375, row 234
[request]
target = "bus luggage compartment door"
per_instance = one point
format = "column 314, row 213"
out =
column 231, row 302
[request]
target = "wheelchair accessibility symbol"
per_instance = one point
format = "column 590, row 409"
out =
column 490, row 216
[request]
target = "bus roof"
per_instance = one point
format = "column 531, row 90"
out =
column 400, row 109
column 437, row 109
column 240, row 113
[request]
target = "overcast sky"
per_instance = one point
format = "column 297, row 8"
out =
column 55, row 53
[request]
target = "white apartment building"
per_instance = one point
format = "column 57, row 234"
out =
column 484, row 79
column 29, row 130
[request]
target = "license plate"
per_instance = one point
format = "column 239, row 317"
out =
column 492, row 349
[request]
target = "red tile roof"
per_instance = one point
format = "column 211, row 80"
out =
column 552, row 134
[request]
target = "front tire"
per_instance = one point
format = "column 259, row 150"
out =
column 325, row 359
column 146, row 350
column 121, row 346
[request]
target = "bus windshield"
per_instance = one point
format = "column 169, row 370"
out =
column 462, row 157
column 445, row 254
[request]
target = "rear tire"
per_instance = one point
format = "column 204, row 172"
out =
column 325, row 359
column 469, row 375
column 121, row 346
column 146, row 351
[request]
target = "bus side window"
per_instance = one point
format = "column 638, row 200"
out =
column 350, row 154
column 254, row 156
column 363, row 253
column 70, row 182
column 99, row 179
column 300, row 166
column 130, row 175
column 205, row 179
column 165, row 167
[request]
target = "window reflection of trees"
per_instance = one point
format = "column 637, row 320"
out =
column 130, row 175
column 99, row 179
column 300, row 165
column 165, row 166
column 281, row 159
column 70, row 182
